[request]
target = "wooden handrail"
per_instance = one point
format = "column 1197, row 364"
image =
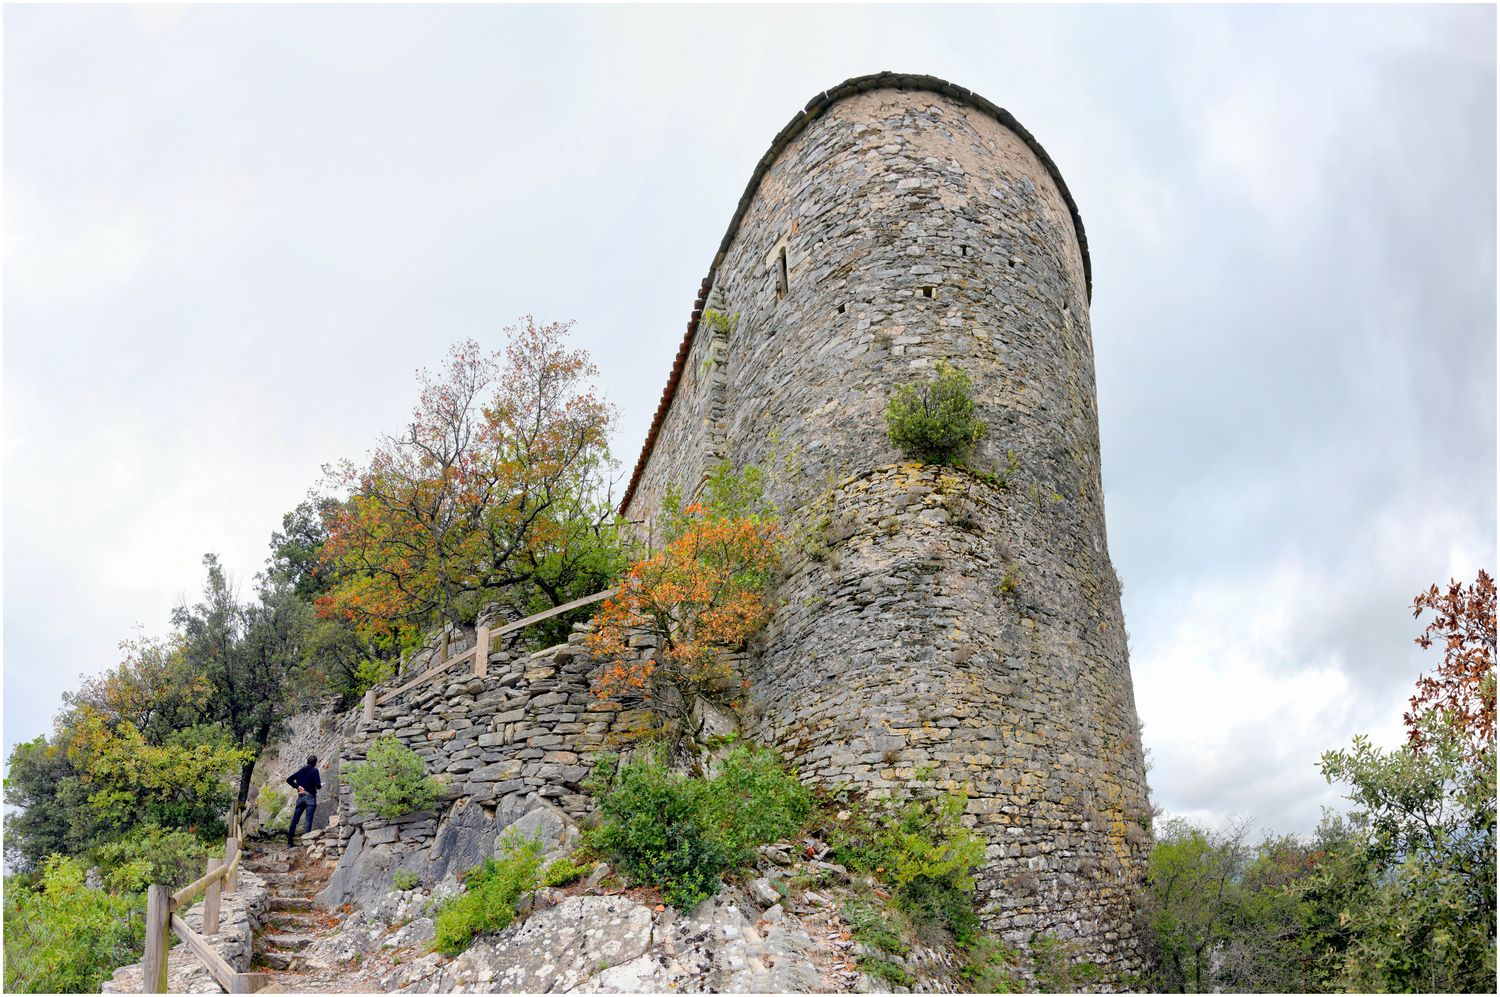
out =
column 162, row 920
column 554, row 611
column 429, row 673
column 480, row 652
column 190, row 892
column 223, row 973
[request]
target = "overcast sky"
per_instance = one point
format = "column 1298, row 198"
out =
column 232, row 234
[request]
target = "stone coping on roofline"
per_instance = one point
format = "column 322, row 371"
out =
column 815, row 107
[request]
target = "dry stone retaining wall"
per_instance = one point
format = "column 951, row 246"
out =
column 512, row 745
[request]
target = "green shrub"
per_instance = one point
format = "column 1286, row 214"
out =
column 681, row 834
column 752, row 801
column 271, row 801
column 405, row 879
column 392, row 781
column 492, row 893
column 989, row 967
column 564, row 871
column 935, row 422
column 884, row 969
column 868, row 924
column 63, row 937
column 651, row 829
column 924, row 851
column 152, row 855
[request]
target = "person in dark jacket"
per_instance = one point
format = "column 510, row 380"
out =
column 307, row 783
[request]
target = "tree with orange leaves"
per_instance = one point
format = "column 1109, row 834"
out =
column 496, row 489
column 1464, row 686
column 702, row 596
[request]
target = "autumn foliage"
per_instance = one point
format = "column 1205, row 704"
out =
column 1464, row 686
column 702, row 597
column 494, row 490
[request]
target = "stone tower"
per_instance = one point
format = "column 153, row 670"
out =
column 935, row 621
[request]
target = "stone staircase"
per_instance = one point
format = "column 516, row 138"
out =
column 293, row 919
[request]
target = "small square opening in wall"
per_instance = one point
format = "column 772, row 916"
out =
column 781, row 274
column 927, row 291
column 840, row 309
column 963, row 250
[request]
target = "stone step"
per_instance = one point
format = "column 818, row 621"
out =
column 261, row 867
column 284, row 920
column 291, row 903
column 287, row 943
column 278, row 880
column 275, row 960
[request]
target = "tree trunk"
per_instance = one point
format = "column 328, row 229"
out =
column 245, row 772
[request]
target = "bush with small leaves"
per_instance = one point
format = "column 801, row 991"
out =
column 564, row 871
column 492, row 895
column 681, row 833
column 924, row 851
column 752, row 800
column 392, row 781
column 62, row 936
column 935, row 422
column 405, row 879
column 651, row 831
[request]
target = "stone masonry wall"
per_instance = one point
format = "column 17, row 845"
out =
column 526, row 730
column 941, row 620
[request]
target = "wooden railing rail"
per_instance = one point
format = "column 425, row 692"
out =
column 162, row 920
column 484, row 638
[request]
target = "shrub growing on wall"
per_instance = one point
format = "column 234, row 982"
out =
column 935, row 422
column 393, row 781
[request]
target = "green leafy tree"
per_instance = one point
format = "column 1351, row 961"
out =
column 297, row 548
column 250, row 655
column 492, row 895
column 182, row 783
column 51, row 812
column 1414, row 874
column 61, row 936
column 935, row 422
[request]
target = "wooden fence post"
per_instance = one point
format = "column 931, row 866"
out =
column 158, row 939
column 231, row 849
column 481, row 651
column 211, row 901
column 369, row 715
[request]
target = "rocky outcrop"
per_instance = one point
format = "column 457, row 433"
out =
column 624, row 944
column 441, row 850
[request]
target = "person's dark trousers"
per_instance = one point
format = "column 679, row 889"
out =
column 305, row 802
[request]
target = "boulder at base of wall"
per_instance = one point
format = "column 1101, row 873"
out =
column 550, row 826
column 467, row 834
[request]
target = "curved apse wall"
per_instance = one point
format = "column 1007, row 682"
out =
column 934, row 621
